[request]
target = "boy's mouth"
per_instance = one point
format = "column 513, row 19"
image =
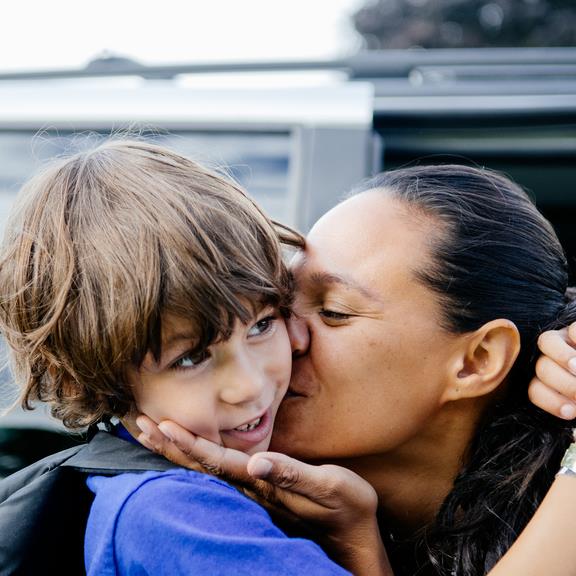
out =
column 251, row 433
column 250, row 425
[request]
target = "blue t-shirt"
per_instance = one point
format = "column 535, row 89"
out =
column 183, row 522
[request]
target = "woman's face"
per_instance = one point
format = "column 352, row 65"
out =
column 374, row 371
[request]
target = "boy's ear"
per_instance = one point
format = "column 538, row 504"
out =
column 483, row 360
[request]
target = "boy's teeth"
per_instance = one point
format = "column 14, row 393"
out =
column 249, row 426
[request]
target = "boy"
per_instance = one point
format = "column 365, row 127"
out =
column 134, row 279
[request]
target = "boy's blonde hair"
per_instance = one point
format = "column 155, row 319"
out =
column 102, row 245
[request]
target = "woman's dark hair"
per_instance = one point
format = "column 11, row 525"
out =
column 493, row 256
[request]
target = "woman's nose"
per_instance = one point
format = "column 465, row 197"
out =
column 299, row 335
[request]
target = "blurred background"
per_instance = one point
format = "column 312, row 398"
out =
column 297, row 100
column 63, row 33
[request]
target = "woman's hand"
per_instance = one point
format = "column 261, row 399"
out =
column 554, row 387
column 331, row 498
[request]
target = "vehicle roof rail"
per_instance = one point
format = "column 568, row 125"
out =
column 362, row 65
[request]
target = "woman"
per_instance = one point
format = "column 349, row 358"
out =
column 423, row 296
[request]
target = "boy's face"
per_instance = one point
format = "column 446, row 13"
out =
column 230, row 392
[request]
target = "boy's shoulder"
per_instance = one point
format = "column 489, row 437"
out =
column 163, row 490
column 174, row 522
column 165, row 493
column 181, row 522
column 44, row 507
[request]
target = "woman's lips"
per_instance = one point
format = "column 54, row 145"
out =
column 302, row 382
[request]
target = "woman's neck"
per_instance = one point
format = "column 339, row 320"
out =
column 414, row 479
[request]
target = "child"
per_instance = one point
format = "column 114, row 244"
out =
column 134, row 279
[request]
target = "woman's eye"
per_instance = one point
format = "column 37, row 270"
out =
column 331, row 316
column 261, row 327
column 191, row 360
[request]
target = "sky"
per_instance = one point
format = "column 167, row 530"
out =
column 39, row 35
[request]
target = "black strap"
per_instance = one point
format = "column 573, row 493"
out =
column 109, row 455
column 44, row 507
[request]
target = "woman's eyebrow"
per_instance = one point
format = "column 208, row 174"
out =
column 328, row 278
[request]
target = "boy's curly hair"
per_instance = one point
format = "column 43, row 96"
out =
column 101, row 245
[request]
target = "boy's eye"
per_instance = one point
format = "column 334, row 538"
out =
column 263, row 326
column 191, row 360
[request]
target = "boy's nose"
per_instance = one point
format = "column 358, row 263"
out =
column 299, row 335
column 246, row 384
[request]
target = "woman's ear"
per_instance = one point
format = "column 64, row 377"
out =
column 483, row 360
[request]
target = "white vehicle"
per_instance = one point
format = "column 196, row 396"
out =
column 299, row 135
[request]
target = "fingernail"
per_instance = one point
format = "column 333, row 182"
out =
column 166, row 431
column 572, row 366
column 260, row 468
column 144, row 425
column 568, row 411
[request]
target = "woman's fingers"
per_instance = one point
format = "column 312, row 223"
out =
column 556, row 377
column 287, row 473
column 554, row 387
column 572, row 333
column 154, row 439
column 214, row 458
column 148, row 432
column 328, row 486
column 337, row 502
column 551, row 401
column 559, row 346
